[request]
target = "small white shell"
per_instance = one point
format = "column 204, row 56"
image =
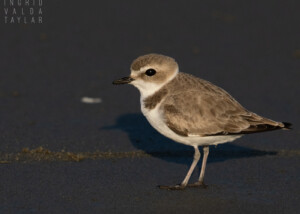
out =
column 91, row 100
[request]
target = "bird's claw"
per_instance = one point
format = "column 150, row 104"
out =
column 176, row 187
column 198, row 184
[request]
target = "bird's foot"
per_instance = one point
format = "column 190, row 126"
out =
column 198, row 184
column 176, row 187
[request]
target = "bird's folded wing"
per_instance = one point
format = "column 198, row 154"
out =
column 190, row 114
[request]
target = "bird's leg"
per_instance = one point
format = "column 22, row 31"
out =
column 188, row 175
column 200, row 182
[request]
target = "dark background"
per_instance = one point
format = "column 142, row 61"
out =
column 249, row 48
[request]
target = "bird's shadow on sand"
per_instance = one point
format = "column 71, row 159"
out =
column 147, row 139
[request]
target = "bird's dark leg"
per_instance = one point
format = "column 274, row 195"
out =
column 200, row 182
column 188, row 175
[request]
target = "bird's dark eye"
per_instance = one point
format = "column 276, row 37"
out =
column 150, row 72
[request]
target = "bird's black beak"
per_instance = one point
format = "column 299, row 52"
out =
column 124, row 80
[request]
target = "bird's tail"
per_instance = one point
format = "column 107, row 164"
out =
column 287, row 126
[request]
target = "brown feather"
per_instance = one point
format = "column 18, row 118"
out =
column 194, row 106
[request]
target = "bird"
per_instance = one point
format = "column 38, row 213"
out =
column 190, row 110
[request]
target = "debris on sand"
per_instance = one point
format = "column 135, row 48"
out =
column 43, row 154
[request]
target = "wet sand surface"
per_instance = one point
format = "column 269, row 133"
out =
column 61, row 155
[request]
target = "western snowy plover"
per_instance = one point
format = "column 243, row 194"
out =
column 191, row 110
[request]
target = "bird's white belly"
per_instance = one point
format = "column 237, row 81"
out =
column 156, row 119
